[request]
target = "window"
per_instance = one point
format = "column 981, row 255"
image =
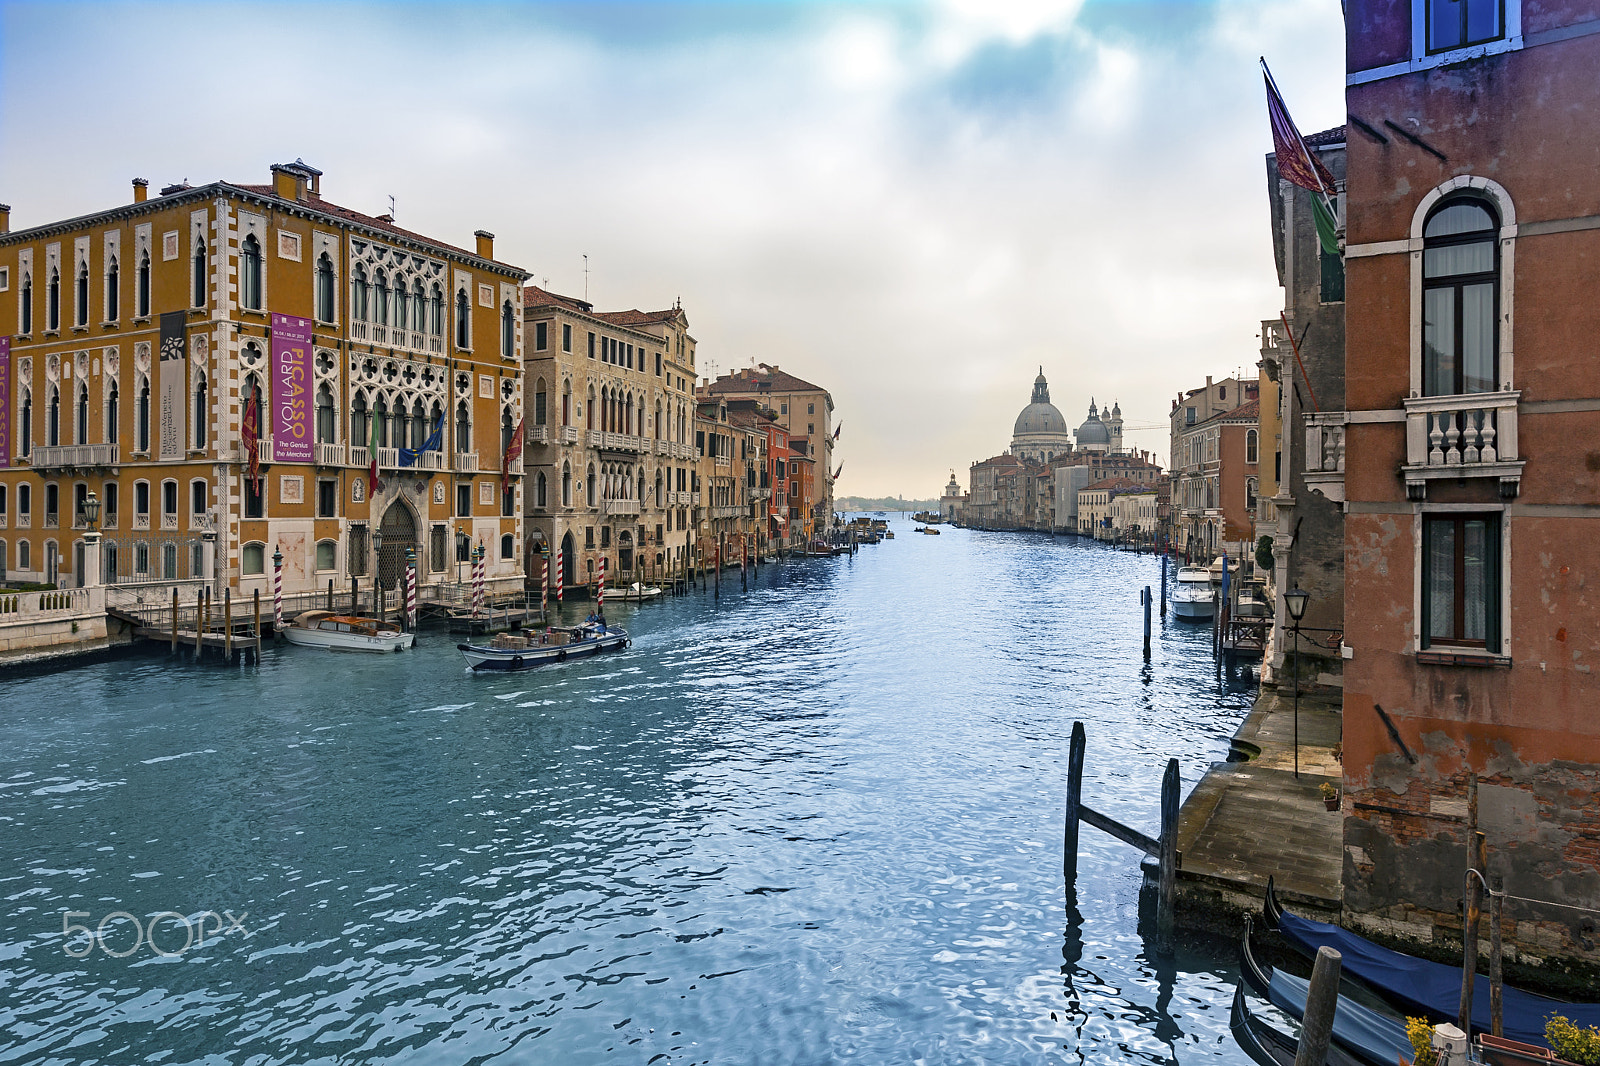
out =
column 254, row 560
column 1460, row 294
column 198, row 282
column 419, row 308
column 81, row 427
column 436, row 548
column 1252, row 447
column 52, row 301
column 380, row 298
column 52, row 418
column 112, row 277
column 325, row 421
column 250, row 273
column 25, row 427
column 507, row 546
column 80, row 496
column 1458, row 23
column 566, row 485
column 658, row 364
column 1332, row 278
column 26, row 299
column 1461, row 581
column 356, row 551
column 324, row 289
column 464, row 500
column 254, row 504
column 605, row 536
column 141, row 287
column 436, row 312
column 141, row 499
column 112, row 412
column 200, row 413
column 540, row 490
column 198, row 490
column 539, row 403
column 588, row 537
column 81, row 296
column 591, row 346
column 540, row 332
column 327, row 555
column 566, row 336
column 402, row 305
column 359, row 294
column 1188, row 417
column 108, row 505
column 23, row 562
column 588, row 486
column 327, row 502
column 463, row 428
column 169, row 498
column 811, row 408
column 463, row 320
column 508, row 501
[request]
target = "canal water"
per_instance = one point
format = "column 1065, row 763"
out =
column 811, row 822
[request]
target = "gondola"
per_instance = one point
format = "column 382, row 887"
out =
column 1419, row 987
column 1368, row 1036
column 1269, row 1045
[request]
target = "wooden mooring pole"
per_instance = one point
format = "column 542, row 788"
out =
column 174, row 648
column 199, row 610
column 1163, row 558
column 1472, row 910
column 1322, row 999
column 1167, row 900
column 1144, row 597
column 227, row 624
column 1069, row 838
column 255, row 599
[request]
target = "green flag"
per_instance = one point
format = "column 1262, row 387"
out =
column 1326, row 227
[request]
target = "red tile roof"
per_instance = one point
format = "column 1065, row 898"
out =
column 533, row 296
column 762, row 378
column 1333, row 136
column 637, row 317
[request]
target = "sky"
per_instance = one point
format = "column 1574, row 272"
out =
column 914, row 205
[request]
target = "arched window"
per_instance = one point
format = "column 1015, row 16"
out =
column 380, row 411
column 360, row 428
column 1252, row 447
column 358, row 294
column 419, row 307
column 506, row 546
column 539, row 491
column 141, row 287
column 566, row 403
column 1460, row 297
column 463, row 320
column 81, row 295
column 419, row 425
column 52, row 301
column 199, row 279
column 463, row 428
column 27, row 304
column 80, row 429
column 200, row 413
column 325, row 425
column 52, row 418
column 507, row 429
column 327, row 555
column 255, row 560
column 113, row 276
column 250, row 273
column 508, row 331
column 436, row 312
column 588, row 410
column 380, row 298
column 566, row 485
column 26, row 427
column 141, row 417
column 324, row 288
column 113, row 413
column 588, row 486
column 254, row 395
column 402, row 306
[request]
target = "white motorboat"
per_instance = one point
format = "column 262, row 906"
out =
column 524, row 651
column 1192, row 598
column 339, row 632
column 634, row 593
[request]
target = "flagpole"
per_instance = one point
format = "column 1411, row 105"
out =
column 1327, row 202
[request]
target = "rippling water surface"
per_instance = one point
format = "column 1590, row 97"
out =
column 817, row 821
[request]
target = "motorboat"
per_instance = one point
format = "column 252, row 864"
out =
column 931, row 531
column 1192, row 597
column 637, row 592
column 342, row 632
column 530, row 648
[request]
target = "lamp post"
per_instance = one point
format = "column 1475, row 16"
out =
column 1295, row 600
column 91, row 540
column 462, row 541
column 377, row 576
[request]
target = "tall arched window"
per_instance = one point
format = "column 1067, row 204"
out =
column 324, row 288
column 419, row 424
column 402, row 306
column 250, row 272
column 360, row 428
column 1252, row 447
column 566, row 485
column 380, row 298
column 507, row 429
column 1460, row 294
column 200, row 412
column 508, row 331
column 419, row 308
column 539, row 491
column 540, row 415
column 588, row 410
column 81, row 296
column 81, row 427
column 436, row 312
column 358, row 294
column 463, row 428
column 380, row 411
column 199, row 279
column 52, row 301
column 255, row 396
column 27, row 304
column 141, row 417
column 325, row 430
column 141, row 287
column 113, row 413
column 463, row 319
column 113, row 278
column 52, row 418
column 588, row 485
column 26, row 428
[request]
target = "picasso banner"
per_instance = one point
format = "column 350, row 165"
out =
column 291, row 390
column 5, row 401
column 174, row 382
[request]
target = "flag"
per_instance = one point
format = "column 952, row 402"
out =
column 836, row 430
column 837, row 472
column 435, row 441
column 513, row 450
column 372, row 453
column 252, row 440
column 1299, row 165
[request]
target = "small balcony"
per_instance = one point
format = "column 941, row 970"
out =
column 569, row 434
column 466, row 462
column 74, row 457
column 538, row 435
column 1325, row 454
column 330, row 455
column 1467, row 436
column 663, row 447
column 621, row 507
column 597, row 439
column 514, row 466
column 263, row 450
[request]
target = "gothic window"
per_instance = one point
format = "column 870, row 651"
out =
column 436, row 312
column 81, row 428
column 112, row 413
column 358, row 294
column 402, row 305
column 463, row 428
column 1252, row 447
column 508, row 331
column 200, row 413
column 380, row 298
column 52, row 418
column 539, row 403
column 27, row 304
column 588, row 486
column 324, row 288
column 112, row 278
column 539, row 491
column 250, row 273
column 463, row 320
column 325, row 434
column 198, row 283
column 566, row 485
column 81, row 296
column 360, row 428
column 141, row 287
column 141, row 417
column 419, row 308
column 52, row 301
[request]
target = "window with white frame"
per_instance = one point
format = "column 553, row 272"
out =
column 1460, row 576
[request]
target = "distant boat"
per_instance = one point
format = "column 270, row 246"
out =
column 339, row 632
column 1192, row 598
column 636, row 593
column 520, row 652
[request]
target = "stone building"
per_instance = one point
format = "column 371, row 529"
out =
column 610, row 449
column 806, row 413
column 1471, row 474
column 1215, row 480
column 144, row 347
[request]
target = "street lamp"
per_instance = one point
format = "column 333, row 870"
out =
column 91, row 511
column 1295, row 601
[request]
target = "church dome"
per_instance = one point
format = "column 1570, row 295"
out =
column 1039, row 418
column 1093, row 431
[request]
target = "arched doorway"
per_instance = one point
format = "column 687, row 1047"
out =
column 568, row 562
column 399, row 531
column 625, row 552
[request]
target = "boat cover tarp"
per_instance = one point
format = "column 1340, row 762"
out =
column 1379, row 1039
column 1432, row 988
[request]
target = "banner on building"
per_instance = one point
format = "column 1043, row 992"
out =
column 174, row 382
column 5, row 401
column 291, row 390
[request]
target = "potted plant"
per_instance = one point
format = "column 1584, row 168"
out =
column 1330, row 795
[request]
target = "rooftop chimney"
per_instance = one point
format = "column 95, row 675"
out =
column 485, row 243
column 141, row 190
column 296, row 181
column 5, row 218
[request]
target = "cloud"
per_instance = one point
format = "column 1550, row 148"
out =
column 913, row 205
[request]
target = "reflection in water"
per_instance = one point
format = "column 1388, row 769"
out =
column 809, row 821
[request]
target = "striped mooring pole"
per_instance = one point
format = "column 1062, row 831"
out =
column 411, row 587
column 477, row 579
column 544, row 585
column 600, row 594
column 560, row 570
column 277, row 590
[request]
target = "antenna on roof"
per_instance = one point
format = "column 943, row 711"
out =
column 586, row 279
column 546, row 285
column 391, row 207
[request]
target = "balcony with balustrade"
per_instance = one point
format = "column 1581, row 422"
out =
column 466, row 462
column 331, row 454
column 621, row 507
column 241, row 454
column 1467, row 436
column 1324, row 472
column 538, row 435
column 569, row 435
column 74, row 457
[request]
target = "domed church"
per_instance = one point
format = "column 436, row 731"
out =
column 1101, row 435
column 1040, row 433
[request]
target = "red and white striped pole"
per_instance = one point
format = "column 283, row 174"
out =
column 560, row 570
column 477, row 579
column 277, row 590
column 600, row 596
column 544, row 584
column 411, row 587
